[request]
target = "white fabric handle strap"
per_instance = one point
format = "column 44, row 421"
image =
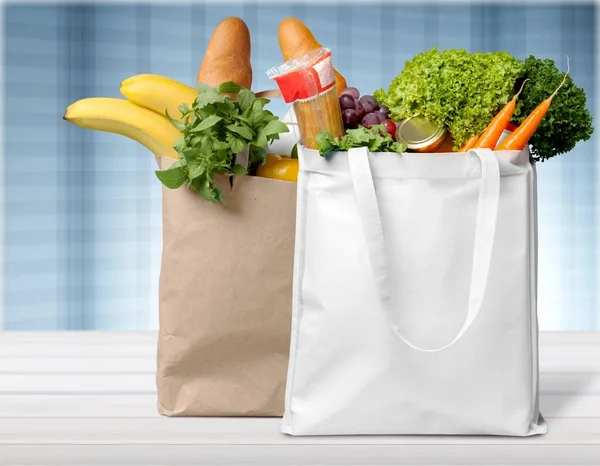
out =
column 485, row 227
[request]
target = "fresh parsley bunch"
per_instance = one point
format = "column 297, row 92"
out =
column 215, row 133
column 376, row 139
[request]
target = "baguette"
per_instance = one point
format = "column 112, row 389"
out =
column 227, row 56
column 296, row 40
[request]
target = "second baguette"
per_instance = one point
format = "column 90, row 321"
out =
column 227, row 56
column 296, row 40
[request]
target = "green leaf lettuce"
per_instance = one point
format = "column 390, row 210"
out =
column 453, row 88
column 376, row 139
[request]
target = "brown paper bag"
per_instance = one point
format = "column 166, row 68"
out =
column 225, row 299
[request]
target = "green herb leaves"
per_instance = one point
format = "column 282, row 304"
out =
column 173, row 177
column 213, row 132
column 207, row 123
column 275, row 127
column 376, row 139
column 246, row 99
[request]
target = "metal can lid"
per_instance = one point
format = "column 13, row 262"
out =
column 417, row 132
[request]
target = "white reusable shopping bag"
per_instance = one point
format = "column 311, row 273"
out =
column 414, row 308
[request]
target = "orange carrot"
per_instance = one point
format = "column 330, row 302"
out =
column 469, row 144
column 519, row 138
column 492, row 133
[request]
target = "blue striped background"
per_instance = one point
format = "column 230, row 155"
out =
column 82, row 219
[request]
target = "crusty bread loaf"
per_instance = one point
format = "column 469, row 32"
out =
column 296, row 40
column 227, row 56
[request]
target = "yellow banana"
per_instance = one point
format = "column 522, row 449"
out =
column 158, row 93
column 123, row 117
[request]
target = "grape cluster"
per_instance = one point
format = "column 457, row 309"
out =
column 365, row 111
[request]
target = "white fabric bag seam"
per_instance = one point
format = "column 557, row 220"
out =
column 537, row 424
column 299, row 252
column 392, row 177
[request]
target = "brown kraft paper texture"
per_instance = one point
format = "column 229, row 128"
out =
column 225, row 299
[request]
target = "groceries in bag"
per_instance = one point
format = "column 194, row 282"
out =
column 490, row 93
column 120, row 116
column 308, row 82
column 296, row 40
column 279, row 167
column 366, row 124
column 221, row 131
column 218, row 128
column 364, row 111
column 421, row 135
column 489, row 138
column 464, row 91
column 227, row 56
column 221, row 136
column 526, row 130
column 204, row 137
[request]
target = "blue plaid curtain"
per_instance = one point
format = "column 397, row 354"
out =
column 82, row 235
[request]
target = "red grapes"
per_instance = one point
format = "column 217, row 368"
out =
column 359, row 109
column 365, row 111
column 350, row 119
column 390, row 127
column 347, row 102
column 352, row 91
column 370, row 119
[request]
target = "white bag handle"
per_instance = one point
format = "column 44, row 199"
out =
column 485, row 227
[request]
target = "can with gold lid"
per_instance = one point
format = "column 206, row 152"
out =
column 421, row 135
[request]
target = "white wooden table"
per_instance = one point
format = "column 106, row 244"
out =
column 89, row 398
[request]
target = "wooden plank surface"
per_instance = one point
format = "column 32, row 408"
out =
column 183, row 431
column 90, row 398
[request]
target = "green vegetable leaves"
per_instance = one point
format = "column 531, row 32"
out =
column 229, row 88
column 376, row 139
column 275, row 127
column 463, row 92
column 327, row 143
column 243, row 131
column 213, row 132
column 208, row 122
column 246, row 98
column 239, row 170
column 206, row 96
column 454, row 88
column 567, row 121
column 173, row 177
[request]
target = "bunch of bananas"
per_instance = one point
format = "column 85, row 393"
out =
column 142, row 117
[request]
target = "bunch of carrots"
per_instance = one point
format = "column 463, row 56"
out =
column 519, row 138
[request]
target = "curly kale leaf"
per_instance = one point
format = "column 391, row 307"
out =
column 567, row 122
